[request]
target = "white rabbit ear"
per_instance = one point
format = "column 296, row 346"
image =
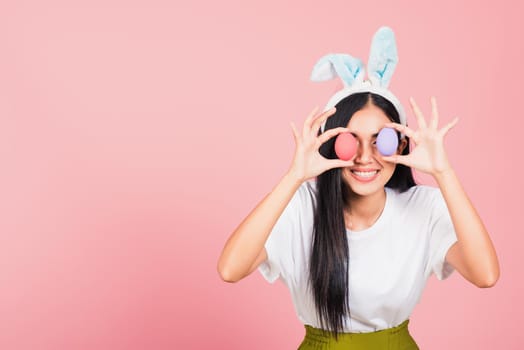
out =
column 383, row 57
column 349, row 69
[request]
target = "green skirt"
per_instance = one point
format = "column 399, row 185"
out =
column 396, row 338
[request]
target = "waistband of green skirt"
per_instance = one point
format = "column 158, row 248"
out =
column 310, row 330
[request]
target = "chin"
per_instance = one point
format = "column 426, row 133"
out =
column 365, row 191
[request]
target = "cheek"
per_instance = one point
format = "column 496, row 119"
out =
column 389, row 168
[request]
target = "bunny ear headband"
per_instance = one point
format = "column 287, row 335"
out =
column 382, row 61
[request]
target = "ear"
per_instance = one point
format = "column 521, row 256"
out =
column 383, row 57
column 349, row 69
column 403, row 143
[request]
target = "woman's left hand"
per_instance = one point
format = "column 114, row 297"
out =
column 428, row 155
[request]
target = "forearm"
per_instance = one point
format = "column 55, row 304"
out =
column 477, row 251
column 248, row 239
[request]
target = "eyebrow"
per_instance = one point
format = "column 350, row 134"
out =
column 356, row 135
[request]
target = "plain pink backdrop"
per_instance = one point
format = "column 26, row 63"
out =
column 136, row 135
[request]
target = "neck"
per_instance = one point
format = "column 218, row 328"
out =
column 367, row 207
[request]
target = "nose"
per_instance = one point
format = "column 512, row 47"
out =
column 364, row 153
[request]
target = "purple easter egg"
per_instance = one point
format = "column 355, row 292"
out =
column 387, row 141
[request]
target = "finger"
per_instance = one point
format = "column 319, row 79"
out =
column 309, row 120
column 321, row 119
column 397, row 159
column 434, row 112
column 330, row 133
column 338, row 163
column 295, row 132
column 418, row 113
column 404, row 130
column 312, row 114
column 448, row 127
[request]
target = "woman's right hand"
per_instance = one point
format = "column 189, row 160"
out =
column 308, row 162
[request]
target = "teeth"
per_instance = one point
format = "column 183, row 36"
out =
column 365, row 174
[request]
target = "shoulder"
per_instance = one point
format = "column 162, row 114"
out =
column 303, row 200
column 304, row 197
column 308, row 188
column 417, row 196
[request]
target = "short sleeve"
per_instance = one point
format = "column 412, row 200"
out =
column 280, row 243
column 442, row 237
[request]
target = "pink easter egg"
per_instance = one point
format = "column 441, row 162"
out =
column 345, row 146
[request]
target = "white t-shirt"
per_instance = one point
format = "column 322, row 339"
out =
column 389, row 262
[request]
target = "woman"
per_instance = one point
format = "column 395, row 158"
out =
column 355, row 241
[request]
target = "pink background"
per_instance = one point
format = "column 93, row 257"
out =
column 136, row 135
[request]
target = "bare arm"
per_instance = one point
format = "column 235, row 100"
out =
column 473, row 255
column 247, row 241
column 244, row 250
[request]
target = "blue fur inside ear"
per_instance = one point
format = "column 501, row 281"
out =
column 346, row 67
column 383, row 56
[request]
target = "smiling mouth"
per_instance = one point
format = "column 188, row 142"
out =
column 365, row 174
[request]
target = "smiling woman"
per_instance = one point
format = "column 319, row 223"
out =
column 356, row 240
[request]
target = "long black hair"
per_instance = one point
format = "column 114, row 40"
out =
column 328, row 269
